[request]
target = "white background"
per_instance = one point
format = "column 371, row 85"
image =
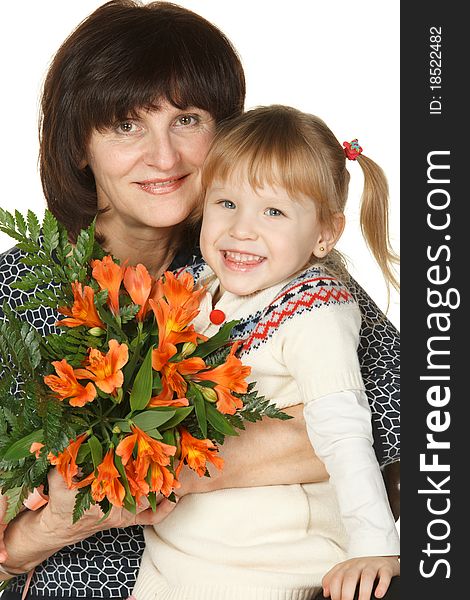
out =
column 337, row 59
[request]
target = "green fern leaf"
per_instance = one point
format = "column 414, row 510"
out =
column 16, row 496
column 83, row 501
column 21, row 224
column 33, row 226
column 50, row 232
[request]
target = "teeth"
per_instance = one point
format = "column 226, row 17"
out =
column 159, row 184
column 242, row 258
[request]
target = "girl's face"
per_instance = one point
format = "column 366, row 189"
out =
column 147, row 170
column 255, row 238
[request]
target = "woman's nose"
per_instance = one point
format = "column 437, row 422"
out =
column 161, row 151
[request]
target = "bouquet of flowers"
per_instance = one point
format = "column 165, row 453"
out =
column 125, row 393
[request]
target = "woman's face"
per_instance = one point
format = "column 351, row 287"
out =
column 147, row 170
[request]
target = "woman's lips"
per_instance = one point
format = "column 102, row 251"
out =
column 162, row 186
column 241, row 261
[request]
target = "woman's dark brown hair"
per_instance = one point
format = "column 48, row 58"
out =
column 123, row 57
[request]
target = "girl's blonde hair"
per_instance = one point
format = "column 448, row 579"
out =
column 279, row 145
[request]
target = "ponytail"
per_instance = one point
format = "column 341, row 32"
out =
column 374, row 219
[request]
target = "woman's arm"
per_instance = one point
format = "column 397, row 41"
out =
column 272, row 452
column 268, row 453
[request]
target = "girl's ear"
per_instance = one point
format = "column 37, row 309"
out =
column 329, row 235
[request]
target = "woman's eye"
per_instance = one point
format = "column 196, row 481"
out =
column 126, row 127
column 186, row 120
column 273, row 212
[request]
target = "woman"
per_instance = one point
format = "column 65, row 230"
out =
column 129, row 108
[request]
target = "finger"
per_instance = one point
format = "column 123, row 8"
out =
column 149, row 517
column 143, row 504
column 336, row 585
column 384, row 582
column 348, row 588
column 56, row 482
column 365, row 586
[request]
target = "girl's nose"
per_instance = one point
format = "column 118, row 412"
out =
column 243, row 228
column 161, row 151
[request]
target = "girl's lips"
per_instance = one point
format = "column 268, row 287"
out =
column 162, row 186
column 241, row 261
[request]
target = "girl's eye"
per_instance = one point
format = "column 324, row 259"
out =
column 273, row 212
column 227, row 204
column 186, row 120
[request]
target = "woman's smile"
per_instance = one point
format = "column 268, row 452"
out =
column 162, row 186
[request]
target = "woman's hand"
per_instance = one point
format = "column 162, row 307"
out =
column 57, row 514
column 51, row 527
column 3, row 508
column 341, row 581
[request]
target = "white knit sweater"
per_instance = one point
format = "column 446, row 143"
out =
column 277, row 542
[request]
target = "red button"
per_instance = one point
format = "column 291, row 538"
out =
column 217, row 317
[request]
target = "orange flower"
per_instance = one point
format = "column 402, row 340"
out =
column 179, row 292
column 83, row 311
column 105, row 369
column 175, row 305
column 138, row 283
column 229, row 377
column 36, row 499
column 139, row 487
column 195, row 453
column 36, row 448
column 107, row 484
column 67, row 386
column 146, row 447
column 150, row 453
column 66, row 460
column 172, row 378
column 162, row 480
column 109, row 276
column 162, row 401
column 173, row 329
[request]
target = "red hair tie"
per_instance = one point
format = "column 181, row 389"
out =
column 352, row 150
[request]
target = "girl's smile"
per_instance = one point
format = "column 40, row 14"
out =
column 241, row 261
column 256, row 238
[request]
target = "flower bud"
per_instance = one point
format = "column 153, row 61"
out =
column 208, row 393
column 188, row 349
column 118, row 395
column 96, row 331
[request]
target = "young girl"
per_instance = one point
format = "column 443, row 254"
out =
column 276, row 186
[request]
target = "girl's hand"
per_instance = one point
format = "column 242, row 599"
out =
column 341, row 581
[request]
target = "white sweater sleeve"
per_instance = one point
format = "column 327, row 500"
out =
column 320, row 351
column 339, row 427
